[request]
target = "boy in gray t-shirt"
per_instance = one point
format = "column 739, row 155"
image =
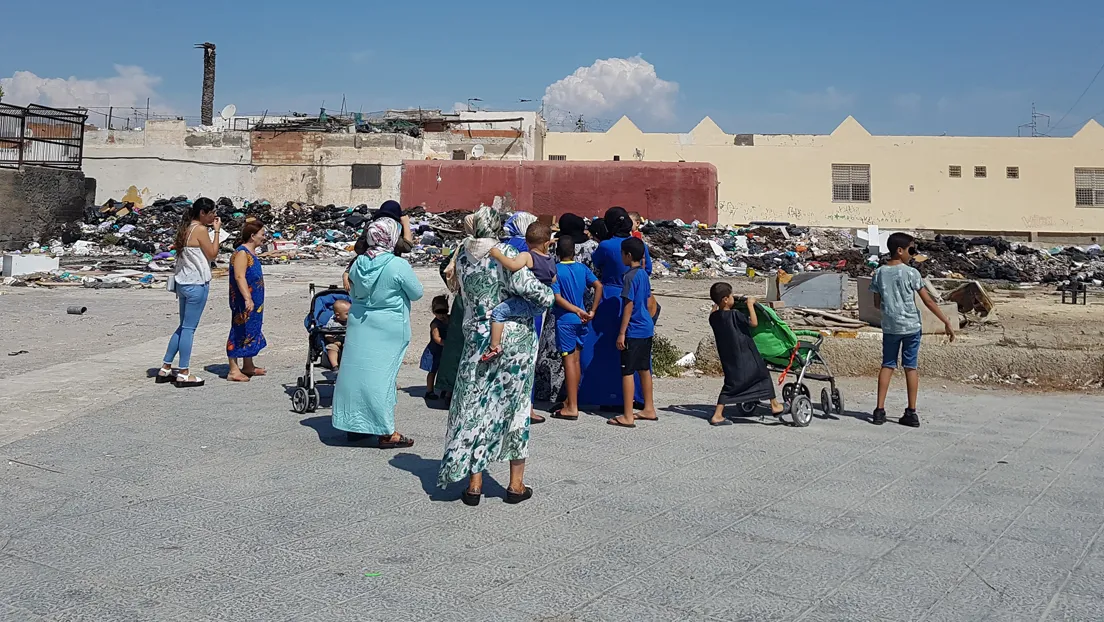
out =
column 895, row 286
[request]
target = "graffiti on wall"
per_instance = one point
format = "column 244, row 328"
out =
column 841, row 215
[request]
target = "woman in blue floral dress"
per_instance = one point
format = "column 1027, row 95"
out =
column 246, row 305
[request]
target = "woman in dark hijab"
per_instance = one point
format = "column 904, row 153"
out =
column 598, row 230
column 600, row 358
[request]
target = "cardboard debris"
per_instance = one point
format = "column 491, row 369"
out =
column 972, row 298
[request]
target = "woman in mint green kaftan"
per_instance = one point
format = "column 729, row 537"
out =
column 382, row 287
column 489, row 415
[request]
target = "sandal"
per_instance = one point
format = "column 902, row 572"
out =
column 187, row 381
column 559, row 415
column 164, row 375
column 720, row 423
column 402, row 443
column 617, row 422
column 256, row 371
column 471, row 498
column 514, row 498
column 534, row 419
column 491, row 354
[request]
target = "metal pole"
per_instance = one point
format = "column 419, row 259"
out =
column 22, row 135
column 110, row 109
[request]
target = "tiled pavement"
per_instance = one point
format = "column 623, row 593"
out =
column 221, row 504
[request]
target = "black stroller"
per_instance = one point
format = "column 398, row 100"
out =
column 306, row 397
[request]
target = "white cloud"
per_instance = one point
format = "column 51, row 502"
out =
column 459, row 107
column 130, row 86
column 615, row 85
column 909, row 102
column 830, row 98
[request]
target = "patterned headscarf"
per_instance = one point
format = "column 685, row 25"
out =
column 517, row 224
column 486, row 229
column 382, row 235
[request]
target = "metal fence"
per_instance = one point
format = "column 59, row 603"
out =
column 41, row 136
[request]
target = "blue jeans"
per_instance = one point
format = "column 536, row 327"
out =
column 515, row 307
column 907, row 346
column 192, row 298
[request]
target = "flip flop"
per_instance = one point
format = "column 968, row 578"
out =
column 639, row 418
column 720, row 423
column 257, row 371
column 535, row 419
column 559, row 415
column 615, row 422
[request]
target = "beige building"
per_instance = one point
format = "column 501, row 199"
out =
column 1042, row 187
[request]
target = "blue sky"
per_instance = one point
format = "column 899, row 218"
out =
column 969, row 68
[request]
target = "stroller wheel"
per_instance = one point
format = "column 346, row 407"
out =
column 825, row 402
column 300, row 401
column 837, row 401
column 312, row 400
column 802, row 411
column 788, row 391
column 748, row 407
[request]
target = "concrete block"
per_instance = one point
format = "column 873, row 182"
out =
column 872, row 314
column 810, row 290
column 18, row 265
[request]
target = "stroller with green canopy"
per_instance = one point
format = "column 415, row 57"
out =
column 794, row 352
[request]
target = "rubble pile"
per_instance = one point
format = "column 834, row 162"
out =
column 139, row 237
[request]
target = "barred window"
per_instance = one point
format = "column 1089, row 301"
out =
column 1089, row 185
column 851, row 183
column 954, row 170
column 1013, row 172
column 980, row 172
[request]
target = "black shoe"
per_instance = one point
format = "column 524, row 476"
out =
column 431, row 396
column 910, row 418
column 879, row 416
column 471, row 498
column 517, row 497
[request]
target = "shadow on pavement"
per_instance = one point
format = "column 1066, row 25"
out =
column 331, row 436
column 426, row 471
column 761, row 416
column 420, row 393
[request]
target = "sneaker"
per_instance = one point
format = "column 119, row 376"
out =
column 879, row 416
column 910, row 418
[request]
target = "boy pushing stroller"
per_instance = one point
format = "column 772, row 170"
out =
column 746, row 378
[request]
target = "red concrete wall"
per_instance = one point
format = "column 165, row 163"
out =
column 658, row 190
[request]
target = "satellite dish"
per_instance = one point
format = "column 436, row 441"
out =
column 477, row 151
column 229, row 111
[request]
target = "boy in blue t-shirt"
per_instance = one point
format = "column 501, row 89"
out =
column 894, row 287
column 572, row 281
column 635, row 339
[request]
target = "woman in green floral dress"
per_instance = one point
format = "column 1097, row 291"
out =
column 489, row 415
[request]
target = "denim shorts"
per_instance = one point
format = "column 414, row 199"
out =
column 906, row 346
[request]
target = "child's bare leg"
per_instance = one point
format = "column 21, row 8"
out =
column 718, row 414
column 236, row 374
column 572, row 376
column 912, row 384
column 627, row 388
column 431, row 378
column 331, row 355
column 649, row 412
column 496, row 334
column 885, row 375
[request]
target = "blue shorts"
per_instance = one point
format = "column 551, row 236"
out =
column 515, row 307
column 569, row 336
column 906, row 346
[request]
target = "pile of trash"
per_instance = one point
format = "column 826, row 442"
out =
column 143, row 235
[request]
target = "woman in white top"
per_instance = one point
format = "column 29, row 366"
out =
column 195, row 250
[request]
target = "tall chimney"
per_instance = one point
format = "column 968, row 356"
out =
column 207, row 106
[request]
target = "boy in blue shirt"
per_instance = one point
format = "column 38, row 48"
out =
column 895, row 286
column 572, row 281
column 635, row 339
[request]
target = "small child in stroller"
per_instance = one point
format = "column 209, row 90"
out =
column 334, row 343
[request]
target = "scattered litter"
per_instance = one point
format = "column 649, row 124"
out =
column 373, row 574
column 18, row 352
column 687, row 361
column 76, row 310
